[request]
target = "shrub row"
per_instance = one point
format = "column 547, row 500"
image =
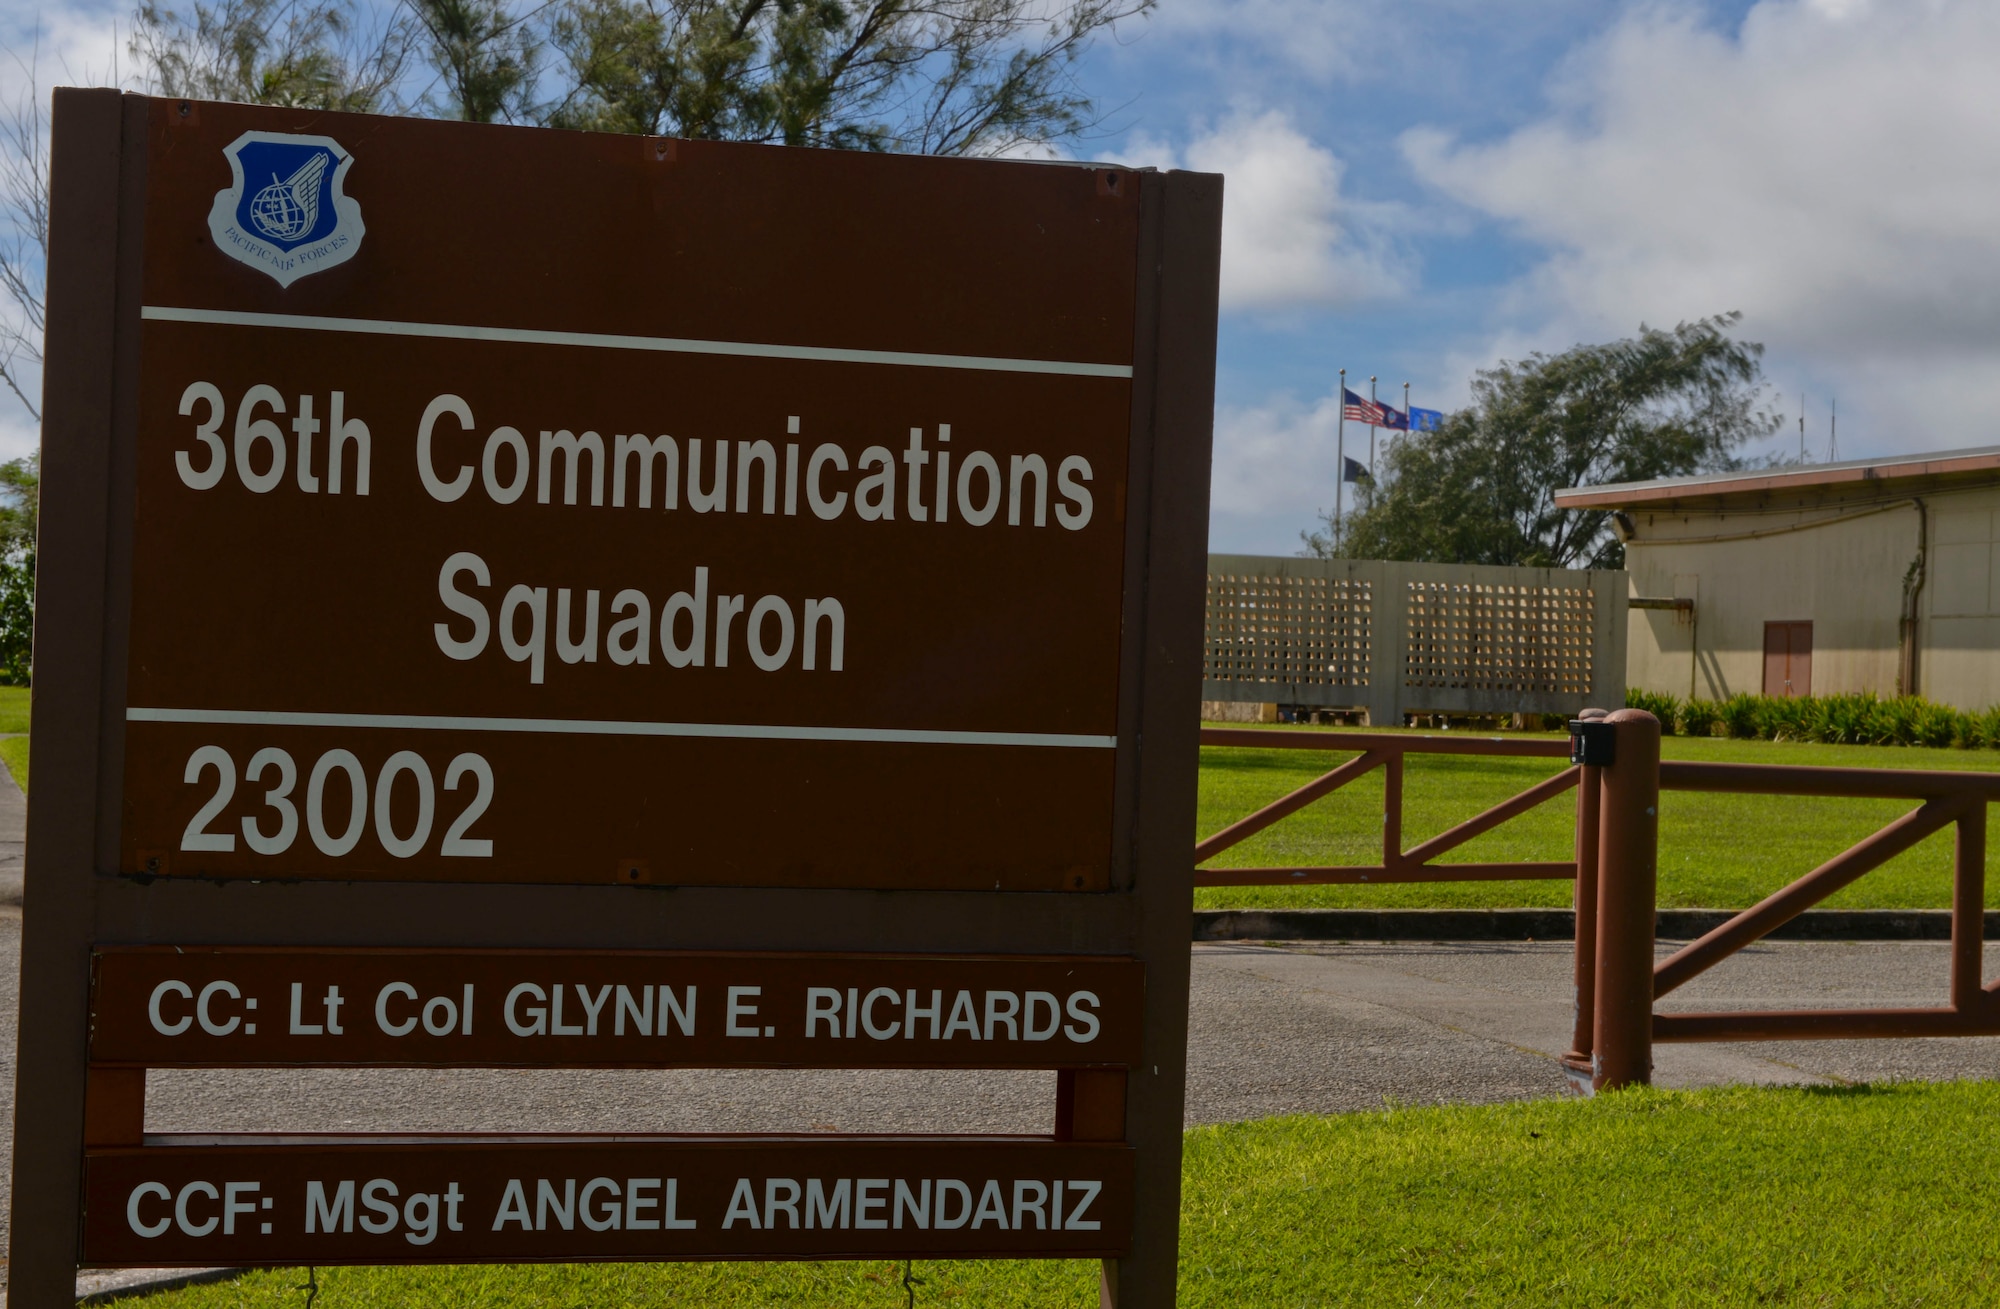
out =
column 1834, row 719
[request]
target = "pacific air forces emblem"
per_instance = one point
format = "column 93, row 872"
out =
column 285, row 214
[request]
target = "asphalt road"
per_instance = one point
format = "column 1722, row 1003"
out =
column 1335, row 1028
column 1299, row 1029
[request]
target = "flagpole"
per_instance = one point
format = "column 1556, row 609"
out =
column 1339, row 459
column 1833, row 432
column 1371, row 427
column 1406, row 414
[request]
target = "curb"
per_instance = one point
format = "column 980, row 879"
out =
column 113, row 1284
column 1554, row 924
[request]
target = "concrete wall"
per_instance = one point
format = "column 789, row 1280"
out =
column 1397, row 639
column 1238, row 711
column 1838, row 563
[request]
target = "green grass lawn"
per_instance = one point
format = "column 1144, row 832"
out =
column 14, row 753
column 14, row 719
column 1852, row 1196
column 1716, row 851
column 13, row 709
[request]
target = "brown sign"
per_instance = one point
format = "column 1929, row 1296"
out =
column 189, row 1007
column 462, row 1200
column 716, row 560
column 516, row 598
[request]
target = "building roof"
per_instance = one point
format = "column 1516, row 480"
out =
column 1937, row 469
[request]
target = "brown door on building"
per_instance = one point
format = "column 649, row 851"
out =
column 1788, row 659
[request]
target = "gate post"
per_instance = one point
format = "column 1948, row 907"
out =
column 1627, row 870
column 1576, row 1062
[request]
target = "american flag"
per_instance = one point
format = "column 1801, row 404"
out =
column 1357, row 410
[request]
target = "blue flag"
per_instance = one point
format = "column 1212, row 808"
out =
column 1425, row 420
column 1394, row 419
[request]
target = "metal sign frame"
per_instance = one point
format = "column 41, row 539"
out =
column 77, row 900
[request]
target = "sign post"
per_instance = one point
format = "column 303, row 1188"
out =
column 513, row 598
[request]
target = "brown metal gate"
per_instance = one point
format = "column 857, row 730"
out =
column 1625, row 979
column 1616, row 771
column 1387, row 751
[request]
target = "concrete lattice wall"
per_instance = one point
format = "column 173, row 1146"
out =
column 1397, row 639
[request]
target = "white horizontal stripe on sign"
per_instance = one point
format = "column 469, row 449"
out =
column 603, row 341
column 601, row 727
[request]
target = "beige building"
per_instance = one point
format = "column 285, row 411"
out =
column 1875, row 575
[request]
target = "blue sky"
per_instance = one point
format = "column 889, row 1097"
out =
column 1418, row 188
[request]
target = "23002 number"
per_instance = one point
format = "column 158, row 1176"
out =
column 278, row 799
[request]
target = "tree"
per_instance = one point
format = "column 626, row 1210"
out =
column 487, row 58
column 24, row 203
column 1480, row 489
column 950, row 77
column 20, row 501
column 24, row 207
column 310, row 54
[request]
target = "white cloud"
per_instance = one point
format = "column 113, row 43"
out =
column 1827, row 169
column 80, row 45
column 1290, row 239
column 19, row 434
column 1275, row 457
